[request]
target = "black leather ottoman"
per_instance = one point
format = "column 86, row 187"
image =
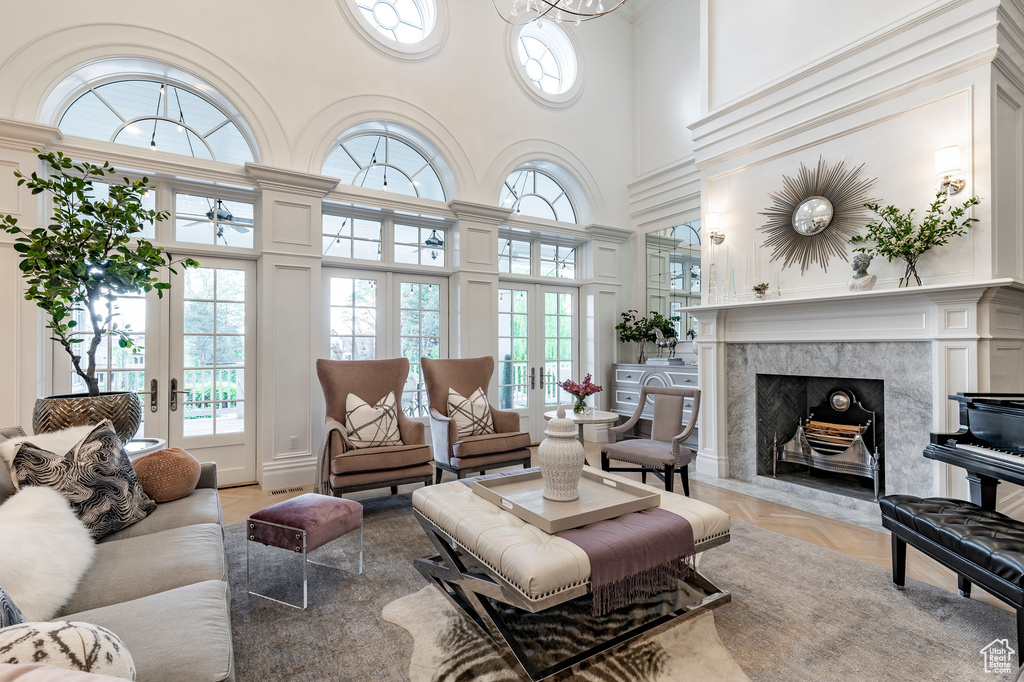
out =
column 982, row 547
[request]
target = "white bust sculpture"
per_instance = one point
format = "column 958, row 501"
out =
column 861, row 280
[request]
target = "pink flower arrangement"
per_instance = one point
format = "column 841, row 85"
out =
column 581, row 391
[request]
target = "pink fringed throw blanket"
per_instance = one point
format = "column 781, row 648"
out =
column 634, row 556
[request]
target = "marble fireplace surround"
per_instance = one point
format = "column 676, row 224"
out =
column 905, row 367
column 923, row 342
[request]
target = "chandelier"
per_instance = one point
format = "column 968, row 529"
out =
column 521, row 12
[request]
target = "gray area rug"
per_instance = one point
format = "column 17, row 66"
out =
column 799, row 612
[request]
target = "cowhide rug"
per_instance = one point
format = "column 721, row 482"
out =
column 448, row 646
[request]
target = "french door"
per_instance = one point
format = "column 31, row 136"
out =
column 194, row 365
column 538, row 342
column 375, row 315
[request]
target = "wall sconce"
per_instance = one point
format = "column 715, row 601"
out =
column 711, row 222
column 947, row 167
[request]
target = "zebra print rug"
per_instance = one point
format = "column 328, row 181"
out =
column 447, row 647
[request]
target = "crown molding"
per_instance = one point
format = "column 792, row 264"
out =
column 16, row 134
column 291, row 181
column 480, row 213
column 609, row 233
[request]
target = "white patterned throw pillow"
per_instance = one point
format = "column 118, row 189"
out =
column 71, row 646
column 371, row 426
column 472, row 415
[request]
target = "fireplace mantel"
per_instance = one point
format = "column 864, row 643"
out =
column 975, row 329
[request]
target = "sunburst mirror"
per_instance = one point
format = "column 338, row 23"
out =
column 816, row 213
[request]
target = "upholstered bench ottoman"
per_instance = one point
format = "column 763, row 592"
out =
column 981, row 546
column 301, row 525
column 487, row 555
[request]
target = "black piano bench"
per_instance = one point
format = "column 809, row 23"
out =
column 982, row 547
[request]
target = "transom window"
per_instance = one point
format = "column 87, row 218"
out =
column 156, row 114
column 404, row 21
column 514, row 256
column 533, row 192
column 213, row 221
column 547, row 57
column 348, row 237
column 384, row 162
column 419, row 245
column 557, row 260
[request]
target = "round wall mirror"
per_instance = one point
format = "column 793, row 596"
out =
column 812, row 216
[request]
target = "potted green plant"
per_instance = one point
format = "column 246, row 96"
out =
column 87, row 256
column 635, row 329
column 895, row 236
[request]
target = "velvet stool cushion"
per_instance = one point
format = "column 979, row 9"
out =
column 324, row 519
column 168, row 475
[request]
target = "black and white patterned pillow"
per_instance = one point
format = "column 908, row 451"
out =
column 10, row 614
column 67, row 645
column 371, row 426
column 96, row 477
column 472, row 415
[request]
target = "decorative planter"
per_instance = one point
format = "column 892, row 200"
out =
column 561, row 459
column 58, row 412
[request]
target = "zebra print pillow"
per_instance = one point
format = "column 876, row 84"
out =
column 9, row 613
column 96, row 477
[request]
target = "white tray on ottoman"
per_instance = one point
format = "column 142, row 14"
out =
column 485, row 553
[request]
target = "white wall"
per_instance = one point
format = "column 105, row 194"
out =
column 666, row 67
column 751, row 44
column 287, row 64
column 301, row 74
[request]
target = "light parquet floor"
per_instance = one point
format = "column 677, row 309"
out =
column 854, row 541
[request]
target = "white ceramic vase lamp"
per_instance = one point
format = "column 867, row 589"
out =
column 561, row 459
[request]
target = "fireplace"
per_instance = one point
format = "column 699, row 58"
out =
column 822, row 432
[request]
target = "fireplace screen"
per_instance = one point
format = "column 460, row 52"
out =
column 838, row 436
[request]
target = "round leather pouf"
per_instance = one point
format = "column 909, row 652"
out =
column 168, row 475
column 58, row 412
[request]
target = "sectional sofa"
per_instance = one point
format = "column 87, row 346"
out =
column 161, row 586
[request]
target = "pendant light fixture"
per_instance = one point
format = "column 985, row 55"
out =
column 522, row 12
column 434, row 241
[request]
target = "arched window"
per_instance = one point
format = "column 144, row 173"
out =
column 547, row 57
column 384, row 161
column 157, row 112
column 533, row 192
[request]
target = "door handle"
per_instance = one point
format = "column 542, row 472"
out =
column 533, row 377
column 154, row 396
column 542, row 377
column 174, row 395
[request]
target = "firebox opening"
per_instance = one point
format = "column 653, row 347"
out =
column 822, row 432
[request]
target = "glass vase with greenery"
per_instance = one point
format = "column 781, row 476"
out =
column 634, row 328
column 895, row 235
column 89, row 254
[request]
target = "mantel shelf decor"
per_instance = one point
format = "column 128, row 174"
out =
column 815, row 214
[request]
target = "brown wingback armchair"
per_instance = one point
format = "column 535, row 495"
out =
column 663, row 453
column 469, row 454
column 343, row 469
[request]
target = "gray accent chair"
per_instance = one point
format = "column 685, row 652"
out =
column 663, row 454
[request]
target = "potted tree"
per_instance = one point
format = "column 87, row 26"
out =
column 78, row 265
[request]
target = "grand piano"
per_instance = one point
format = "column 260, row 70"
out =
column 989, row 444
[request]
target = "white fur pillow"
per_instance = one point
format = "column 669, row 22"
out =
column 59, row 443
column 46, row 551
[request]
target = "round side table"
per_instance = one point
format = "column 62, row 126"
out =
column 596, row 417
column 137, row 447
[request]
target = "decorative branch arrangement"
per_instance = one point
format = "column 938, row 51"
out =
column 895, row 236
column 815, row 214
column 86, row 257
column 637, row 329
